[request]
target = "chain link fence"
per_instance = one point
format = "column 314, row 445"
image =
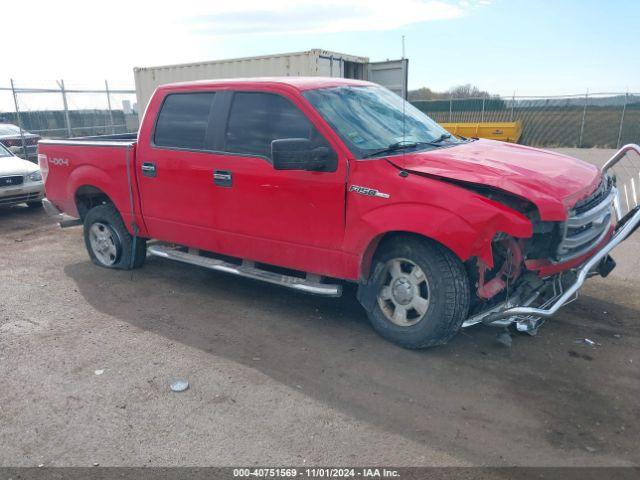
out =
column 604, row 120
column 62, row 111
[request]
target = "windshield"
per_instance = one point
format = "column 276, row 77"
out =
column 370, row 120
column 4, row 152
column 9, row 129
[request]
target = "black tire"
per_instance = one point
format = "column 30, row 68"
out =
column 126, row 256
column 447, row 292
column 35, row 204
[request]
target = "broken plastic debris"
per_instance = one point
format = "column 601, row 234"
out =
column 529, row 325
column 179, row 385
column 587, row 341
column 505, row 338
column 98, row 372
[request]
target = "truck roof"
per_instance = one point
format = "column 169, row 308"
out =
column 299, row 83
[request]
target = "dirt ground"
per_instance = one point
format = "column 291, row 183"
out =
column 280, row 378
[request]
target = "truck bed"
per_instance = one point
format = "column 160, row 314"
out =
column 105, row 164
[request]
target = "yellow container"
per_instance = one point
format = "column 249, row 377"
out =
column 503, row 131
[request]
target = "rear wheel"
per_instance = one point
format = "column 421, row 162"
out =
column 421, row 293
column 109, row 243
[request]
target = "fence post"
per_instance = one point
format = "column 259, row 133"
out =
column 624, row 108
column 15, row 102
column 450, row 108
column 584, row 117
column 66, row 108
column 482, row 114
column 106, row 86
column 513, row 102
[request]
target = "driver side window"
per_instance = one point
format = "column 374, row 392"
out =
column 257, row 118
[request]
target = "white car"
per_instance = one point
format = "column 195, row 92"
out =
column 20, row 181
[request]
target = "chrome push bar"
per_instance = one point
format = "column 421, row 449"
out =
column 625, row 227
column 619, row 154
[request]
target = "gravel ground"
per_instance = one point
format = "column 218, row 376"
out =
column 276, row 377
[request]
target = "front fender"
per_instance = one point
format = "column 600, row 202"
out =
column 467, row 234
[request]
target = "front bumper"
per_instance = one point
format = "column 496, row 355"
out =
column 550, row 294
column 555, row 291
column 27, row 192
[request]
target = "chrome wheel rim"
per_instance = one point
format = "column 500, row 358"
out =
column 103, row 244
column 404, row 295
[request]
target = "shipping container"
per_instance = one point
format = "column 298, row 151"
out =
column 315, row 63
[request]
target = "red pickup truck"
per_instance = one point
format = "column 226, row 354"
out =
column 310, row 182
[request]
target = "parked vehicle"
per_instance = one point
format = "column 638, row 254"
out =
column 11, row 138
column 302, row 181
column 20, row 181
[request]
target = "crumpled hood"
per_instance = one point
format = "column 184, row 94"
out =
column 551, row 181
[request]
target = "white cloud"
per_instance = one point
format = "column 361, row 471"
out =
column 86, row 41
column 246, row 16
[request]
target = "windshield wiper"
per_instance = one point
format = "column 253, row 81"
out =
column 441, row 138
column 408, row 144
column 392, row 148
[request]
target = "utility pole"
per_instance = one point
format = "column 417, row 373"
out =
column 66, row 108
column 584, row 117
column 624, row 108
column 106, row 86
column 15, row 102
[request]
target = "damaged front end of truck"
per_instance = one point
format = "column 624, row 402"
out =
column 531, row 279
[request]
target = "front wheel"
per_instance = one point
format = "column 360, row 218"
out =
column 109, row 243
column 421, row 293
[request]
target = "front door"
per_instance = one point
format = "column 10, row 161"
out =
column 284, row 217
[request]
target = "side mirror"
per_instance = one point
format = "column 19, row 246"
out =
column 298, row 154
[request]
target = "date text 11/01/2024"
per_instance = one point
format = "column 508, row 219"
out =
column 316, row 473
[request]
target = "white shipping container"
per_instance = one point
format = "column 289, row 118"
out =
column 313, row 63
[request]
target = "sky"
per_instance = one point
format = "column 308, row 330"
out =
column 530, row 47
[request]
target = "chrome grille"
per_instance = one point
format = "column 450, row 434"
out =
column 588, row 223
column 11, row 181
column 600, row 193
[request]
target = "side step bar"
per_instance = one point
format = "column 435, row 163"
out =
column 311, row 284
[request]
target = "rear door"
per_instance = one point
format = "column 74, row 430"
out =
column 175, row 169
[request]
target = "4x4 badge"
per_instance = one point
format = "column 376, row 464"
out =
column 370, row 192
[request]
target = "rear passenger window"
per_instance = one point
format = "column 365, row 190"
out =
column 183, row 121
column 256, row 119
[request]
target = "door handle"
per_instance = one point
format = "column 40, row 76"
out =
column 148, row 169
column 223, row 178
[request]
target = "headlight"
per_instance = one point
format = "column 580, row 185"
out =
column 34, row 176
